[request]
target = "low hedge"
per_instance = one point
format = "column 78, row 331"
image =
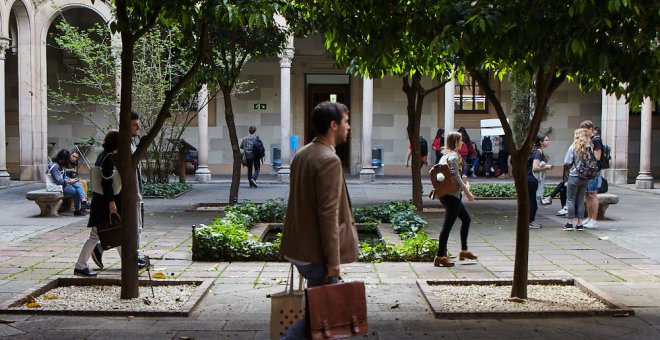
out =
column 164, row 189
column 229, row 239
column 501, row 190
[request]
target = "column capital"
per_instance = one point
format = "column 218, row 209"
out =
column 286, row 57
column 4, row 45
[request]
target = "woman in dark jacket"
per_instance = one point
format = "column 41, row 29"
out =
column 103, row 205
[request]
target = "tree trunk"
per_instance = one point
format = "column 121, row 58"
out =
column 127, row 170
column 236, row 152
column 414, row 109
column 520, row 267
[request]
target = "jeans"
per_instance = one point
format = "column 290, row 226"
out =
column 315, row 276
column 256, row 164
column 532, row 187
column 561, row 190
column 77, row 191
column 454, row 208
column 488, row 163
column 575, row 190
column 594, row 183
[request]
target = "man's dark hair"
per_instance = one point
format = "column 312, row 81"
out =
column 134, row 115
column 252, row 129
column 326, row 112
column 587, row 124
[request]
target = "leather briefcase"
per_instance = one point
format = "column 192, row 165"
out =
column 337, row 310
column 109, row 232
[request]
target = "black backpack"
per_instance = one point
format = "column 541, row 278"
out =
column 605, row 156
column 486, row 144
column 258, row 150
column 423, row 146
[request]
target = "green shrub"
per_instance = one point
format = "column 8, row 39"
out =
column 407, row 222
column 500, row 190
column 164, row 189
column 272, row 211
column 417, row 247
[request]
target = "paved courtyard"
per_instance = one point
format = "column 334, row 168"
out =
column 622, row 258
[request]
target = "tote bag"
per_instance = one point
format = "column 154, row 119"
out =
column 50, row 182
column 96, row 175
column 286, row 307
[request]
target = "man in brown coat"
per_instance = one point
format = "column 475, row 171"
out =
column 319, row 230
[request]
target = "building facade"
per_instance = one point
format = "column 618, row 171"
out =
column 286, row 87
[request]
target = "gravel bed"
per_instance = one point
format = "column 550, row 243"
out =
column 99, row 298
column 492, row 298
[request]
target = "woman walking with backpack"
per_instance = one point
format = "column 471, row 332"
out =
column 454, row 207
column 579, row 158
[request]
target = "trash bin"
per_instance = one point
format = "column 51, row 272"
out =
column 276, row 156
column 377, row 160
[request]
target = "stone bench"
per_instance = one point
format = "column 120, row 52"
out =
column 50, row 202
column 604, row 202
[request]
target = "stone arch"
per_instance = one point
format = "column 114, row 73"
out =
column 44, row 18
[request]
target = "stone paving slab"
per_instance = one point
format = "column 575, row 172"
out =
column 396, row 307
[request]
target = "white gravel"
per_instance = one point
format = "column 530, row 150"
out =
column 99, row 298
column 491, row 298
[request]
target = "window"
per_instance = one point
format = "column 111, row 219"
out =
column 469, row 97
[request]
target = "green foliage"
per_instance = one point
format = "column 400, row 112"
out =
column 273, row 210
column 418, row 247
column 164, row 189
column 522, row 111
column 229, row 239
column 500, row 190
column 381, row 213
column 407, row 223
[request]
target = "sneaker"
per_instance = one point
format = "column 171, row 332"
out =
column 546, row 201
column 593, row 224
column 85, row 206
column 143, row 261
column 253, row 183
column 562, row 212
column 568, row 227
column 586, row 221
column 534, row 225
column 84, row 272
column 579, row 227
column 97, row 256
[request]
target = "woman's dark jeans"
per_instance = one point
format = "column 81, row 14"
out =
column 532, row 186
column 454, row 208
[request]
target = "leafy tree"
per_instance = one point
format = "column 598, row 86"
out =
column 375, row 41
column 610, row 45
column 523, row 101
column 252, row 33
column 198, row 20
column 90, row 89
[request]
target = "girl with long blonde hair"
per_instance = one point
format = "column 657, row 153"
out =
column 576, row 186
column 454, row 208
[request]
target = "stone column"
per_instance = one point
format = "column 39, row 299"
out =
column 449, row 106
column 367, row 173
column 4, row 174
column 286, row 58
column 614, row 131
column 203, row 174
column 645, row 179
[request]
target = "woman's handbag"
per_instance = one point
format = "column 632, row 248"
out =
column 110, row 232
column 337, row 310
column 51, row 185
column 286, row 307
column 442, row 181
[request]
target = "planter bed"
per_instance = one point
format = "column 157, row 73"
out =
column 18, row 304
column 593, row 301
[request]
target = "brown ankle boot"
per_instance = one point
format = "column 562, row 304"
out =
column 442, row 261
column 466, row 255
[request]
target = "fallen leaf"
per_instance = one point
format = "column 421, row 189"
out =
column 6, row 322
column 159, row 276
column 30, row 298
column 394, row 306
column 33, row 304
column 51, row 297
column 604, row 238
column 213, row 267
column 159, row 269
